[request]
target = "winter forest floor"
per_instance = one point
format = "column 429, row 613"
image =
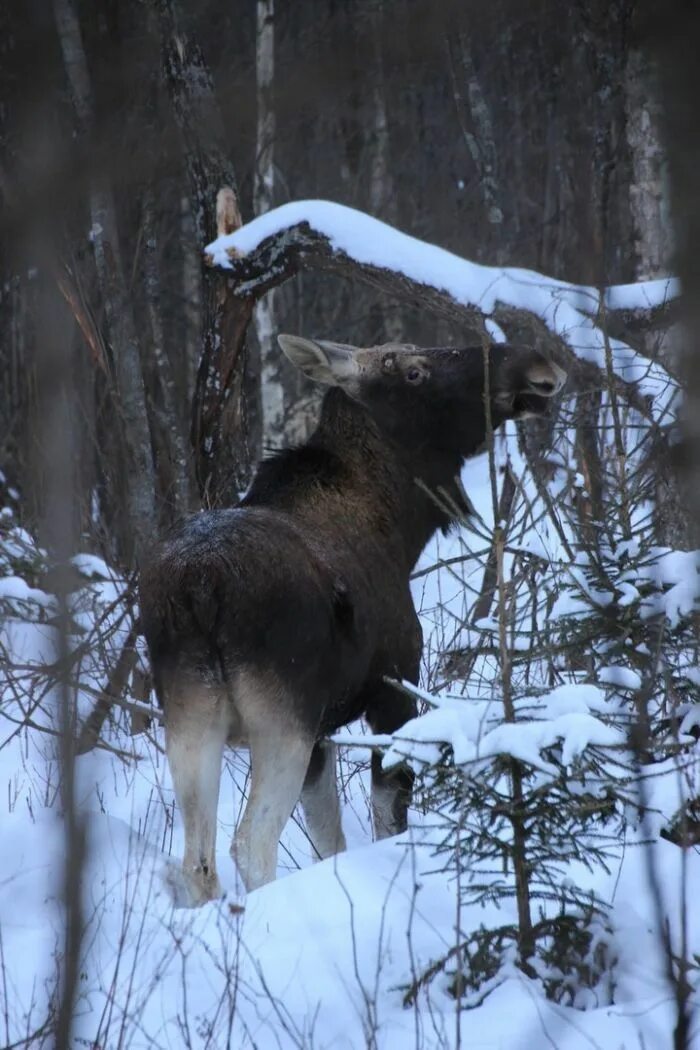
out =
column 323, row 957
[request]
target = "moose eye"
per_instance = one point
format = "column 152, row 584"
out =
column 414, row 375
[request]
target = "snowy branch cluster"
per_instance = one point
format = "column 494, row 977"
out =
column 486, row 300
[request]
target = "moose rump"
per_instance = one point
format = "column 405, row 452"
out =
column 255, row 641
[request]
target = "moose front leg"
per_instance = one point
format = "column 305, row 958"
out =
column 388, row 708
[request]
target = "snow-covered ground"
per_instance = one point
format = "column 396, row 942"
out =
column 317, row 959
column 322, row 958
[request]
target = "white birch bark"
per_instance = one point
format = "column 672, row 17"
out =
column 649, row 195
column 272, row 391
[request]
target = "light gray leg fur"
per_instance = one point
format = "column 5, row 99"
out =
column 319, row 797
column 279, row 757
column 383, row 799
column 197, row 721
column 391, row 791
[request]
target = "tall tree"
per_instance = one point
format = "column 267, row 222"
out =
column 219, row 421
column 115, row 294
column 671, row 38
column 272, row 389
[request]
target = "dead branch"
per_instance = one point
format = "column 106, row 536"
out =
column 282, row 256
column 300, row 247
column 92, row 726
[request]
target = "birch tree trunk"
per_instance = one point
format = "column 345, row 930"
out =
column 271, row 386
column 648, row 190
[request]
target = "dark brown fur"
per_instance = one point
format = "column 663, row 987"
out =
column 309, row 577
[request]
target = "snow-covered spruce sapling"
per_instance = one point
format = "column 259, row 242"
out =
column 564, row 820
column 516, row 777
column 634, row 594
column 610, row 619
column 627, row 601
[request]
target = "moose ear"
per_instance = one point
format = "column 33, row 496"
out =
column 324, row 362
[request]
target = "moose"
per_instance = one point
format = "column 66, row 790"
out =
column 273, row 624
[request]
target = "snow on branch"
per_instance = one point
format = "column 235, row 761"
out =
column 568, row 317
column 569, row 718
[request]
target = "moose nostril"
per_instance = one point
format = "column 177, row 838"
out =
column 543, row 386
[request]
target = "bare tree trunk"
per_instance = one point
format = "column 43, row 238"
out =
column 117, row 301
column 272, row 389
column 164, row 413
column 475, row 121
column 219, row 420
column 382, row 193
column 381, row 201
column 192, row 295
column 648, row 191
column 557, row 196
column 673, row 36
column 662, row 81
column 650, row 210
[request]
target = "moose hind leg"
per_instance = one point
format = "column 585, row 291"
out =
column 319, row 798
column 391, row 796
column 280, row 748
column 387, row 710
column 195, row 734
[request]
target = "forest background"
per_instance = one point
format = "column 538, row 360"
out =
column 138, row 382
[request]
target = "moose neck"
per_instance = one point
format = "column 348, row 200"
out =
column 413, row 482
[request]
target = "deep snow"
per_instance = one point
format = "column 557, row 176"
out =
column 321, row 957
